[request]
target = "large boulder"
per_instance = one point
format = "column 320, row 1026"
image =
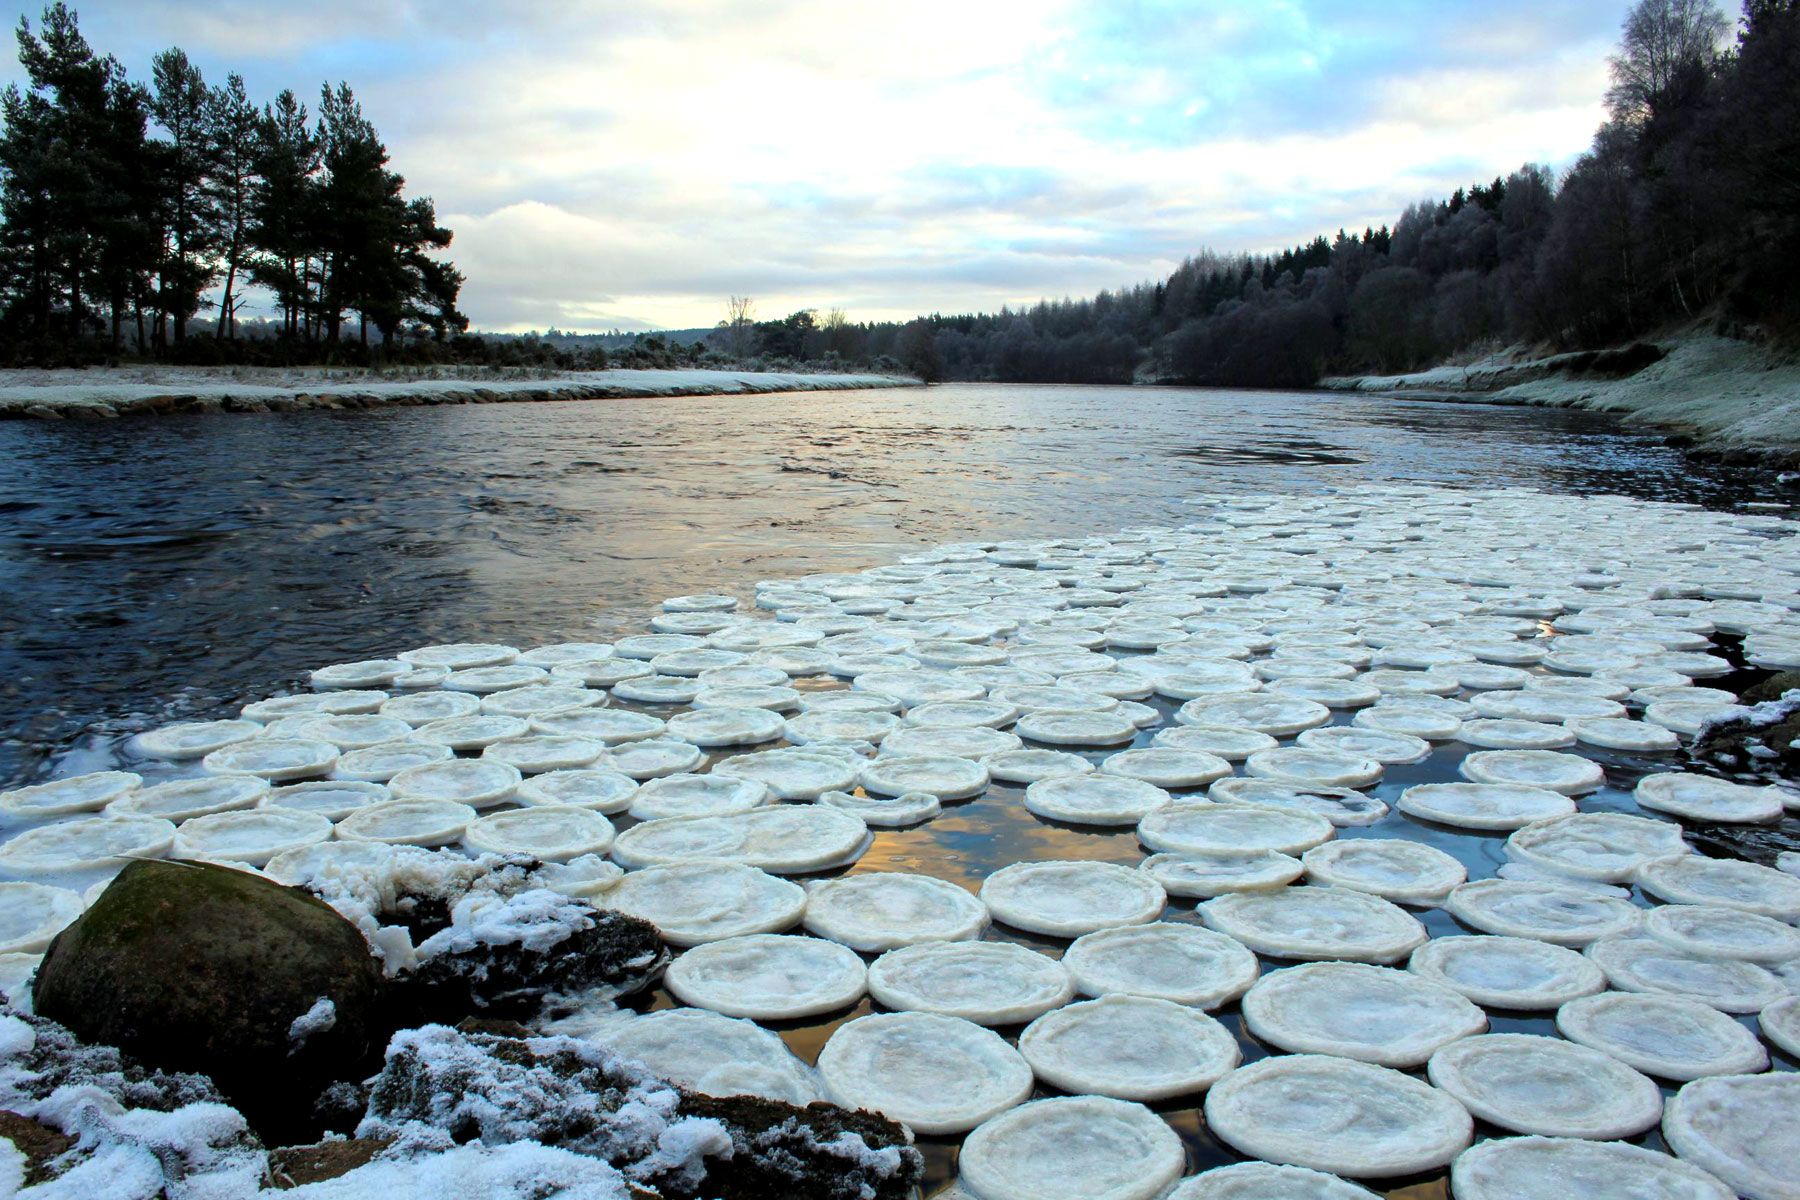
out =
column 200, row 968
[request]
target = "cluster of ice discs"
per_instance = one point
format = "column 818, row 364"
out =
column 1234, row 692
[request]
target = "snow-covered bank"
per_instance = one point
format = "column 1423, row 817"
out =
column 116, row 392
column 1736, row 398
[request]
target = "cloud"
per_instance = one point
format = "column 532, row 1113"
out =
column 604, row 160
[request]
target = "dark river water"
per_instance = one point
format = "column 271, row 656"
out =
column 183, row 566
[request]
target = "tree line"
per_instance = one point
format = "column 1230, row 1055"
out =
column 129, row 209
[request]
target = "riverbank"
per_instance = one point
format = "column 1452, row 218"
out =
column 1737, row 400
column 108, row 393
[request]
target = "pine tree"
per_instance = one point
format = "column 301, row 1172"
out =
column 180, row 103
column 233, row 142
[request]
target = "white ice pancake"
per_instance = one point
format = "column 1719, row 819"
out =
column 472, row 733
column 1705, row 798
column 460, row 656
column 366, row 673
column 1371, row 744
column 784, row 840
column 956, row 741
column 332, row 799
column 943, row 776
column 1549, row 707
column 1165, row 960
column 180, row 799
column 1096, row 799
column 840, row 726
column 476, row 782
column 1231, row 743
column 714, row 727
column 1338, row 1115
column 603, row 791
column 913, row 688
column 33, row 913
column 651, row 758
column 1666, row 1036
column 1372, row 1014
column 936, row 1075
column 537, row 753
column 1067, row 727
column 541, row 700
column 548, row 832
column 1696, row 880
column 422, row 822
column 1394, row 869
column 1540, row 1168
column 886, row 812
column 273, row 758
column 353, row 731
column 1605, row 847
column 318, row 702
column 1741, row 1129
column 1196, row 829
column 1030, row 766
column 1309, row 923
column 1129, row 1048
column 885, row 909
column 1266, row 1181
column 791, row 774
column 558, row 654
column 1569, row 774
column 1332, row 693
column 709, row 1053
column 1410, row 721
column 964, row 713
column 194, row 739
column 1342, row 807
column 1713, row 931
column 251, row 836
column 1563, row 916
column 775, row 699
column 1521, row 974
column 708, row 901
column 768, row 976
column 1276, row 716
column 696, row 796
column 1072, row 1148
column 1496, row 733
column 1068, row 899
column 384, row 760
column 1206, row 875
column 1780, row 1023
column 1641, row 964
column 1546, row 1086
column 1167, row 767
column 1315, row 768
column 1618, row 733
column 498, row 678
column 610, row 725
column 989, row 983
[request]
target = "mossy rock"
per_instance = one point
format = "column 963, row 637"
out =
column 201, row 968
column 1772, row 688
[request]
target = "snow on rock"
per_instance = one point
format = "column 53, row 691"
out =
column 321, row 1017
column 515, row 1171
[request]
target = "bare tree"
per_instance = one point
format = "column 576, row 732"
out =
column 1663, row 40
column 740, row 325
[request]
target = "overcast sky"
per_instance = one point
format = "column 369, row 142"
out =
column 634, row 163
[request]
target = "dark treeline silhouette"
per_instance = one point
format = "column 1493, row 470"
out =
column 129, row 209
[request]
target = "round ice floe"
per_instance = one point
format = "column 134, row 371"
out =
column 963, row 713
column 658, row 689
column 1072, row 1148
column 882, row 910
column 784, row 840
column 1276, row 716
column 277, row 707
column 193, row 739
column 1569, row 774
column 1167, row 767
column 840, row 727
column 1563, row 916
column 934, row 1074
column 609, row 725
column 1539, row 1168
column 1549, row 707
column 552, row 833
column 368, row 673
column 476, row 782
column 1333, row 693
column 1214, row 874
column 1508, row 972
column 273, row 758
column 791, row 774
column 1068, row 899
column 561, row 654
column 603, row 791
column 954, row 741
column 1266, row 1181
column 537, row 753
column 1410, row 721
column 1687, row 717
column 1226, row 742
column 353, row 731
column 886, row 812
column 1693, row 879
column 1739, row 1128
column 1166, row 960
column 708, row 901
column 332, row 799
column 503, row 677
column 181, row 799
column 1316, row 923
column 1196, row 829
column 1666, row 1036
column 418, row 822
column 652, row 758
column 1370, row 744
column 472, row 733
column 1641, row 964
column 1394, row 869
column 459, row 656
column 1374, row 1014
column 711, row 727
column 252, row 837
column 541, row 699
column 696, row 796
column 384, row 760
column 1094, row 799
column 847, row 702
column 1505, row 734
column 711, row 1054
column 1546, row 1086
column 768, row 976
column 1618, row 733
column 943, row 776
column 1714, row 931
column 1318, row 768
column 989, row 983
column 1780, row 1023
column 1129, row 1047
column 1607, row 847
column 1336, row 1114
column 33, row 913
column 1065, row 727
column 1704, row 798
column 1030, row 766
column 1485, row 806
column 913, row 688
column 89, row 844
column 1340, row 806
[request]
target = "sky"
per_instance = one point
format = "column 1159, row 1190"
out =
column 633, row 164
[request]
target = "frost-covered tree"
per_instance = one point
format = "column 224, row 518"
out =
column 1665, row 42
